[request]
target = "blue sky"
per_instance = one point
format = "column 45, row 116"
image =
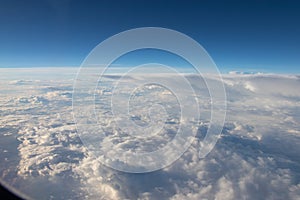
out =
column 239, row 35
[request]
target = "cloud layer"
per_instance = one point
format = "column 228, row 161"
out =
column 256, row 156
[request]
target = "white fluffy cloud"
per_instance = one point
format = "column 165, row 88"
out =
column 256, row 156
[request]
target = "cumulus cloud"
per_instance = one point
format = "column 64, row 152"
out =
column 256, row 156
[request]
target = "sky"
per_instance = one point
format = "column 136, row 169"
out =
column 259, row 36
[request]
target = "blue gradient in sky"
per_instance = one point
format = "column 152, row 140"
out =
column 239, row 35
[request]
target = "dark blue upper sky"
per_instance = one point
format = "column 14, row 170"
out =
column 239, row 35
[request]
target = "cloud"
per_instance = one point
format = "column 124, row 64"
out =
column 256, row 156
